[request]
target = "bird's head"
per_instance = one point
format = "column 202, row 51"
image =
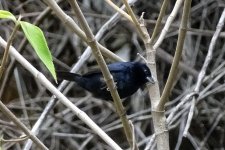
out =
column 143, row 73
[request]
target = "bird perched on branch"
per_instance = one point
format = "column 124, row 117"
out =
column 128, row 77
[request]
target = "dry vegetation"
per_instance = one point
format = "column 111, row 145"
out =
column 62, row 129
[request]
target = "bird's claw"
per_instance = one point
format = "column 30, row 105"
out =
column 114, row 87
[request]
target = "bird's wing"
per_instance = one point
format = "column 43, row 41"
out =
column 101, row 82
column 115, row 67
column 119, row 66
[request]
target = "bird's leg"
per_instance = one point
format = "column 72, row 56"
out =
column 115, row 85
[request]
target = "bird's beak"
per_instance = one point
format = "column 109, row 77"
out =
column 151, row 80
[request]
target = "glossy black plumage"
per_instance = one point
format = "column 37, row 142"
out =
column 128, row 76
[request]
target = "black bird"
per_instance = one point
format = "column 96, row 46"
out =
column 128, row 76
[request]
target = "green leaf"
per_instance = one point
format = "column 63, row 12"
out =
column 36, row 38
column 7, row 15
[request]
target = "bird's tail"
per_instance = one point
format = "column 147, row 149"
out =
column 68, row 76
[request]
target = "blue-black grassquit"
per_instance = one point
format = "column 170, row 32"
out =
column 128, row 76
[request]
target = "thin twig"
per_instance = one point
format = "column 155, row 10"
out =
column 20, row 139
column 159, row 21
column 123, row 13
column 168, row 23
column 135, row 20
column 6, row 53
column 178, row 53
